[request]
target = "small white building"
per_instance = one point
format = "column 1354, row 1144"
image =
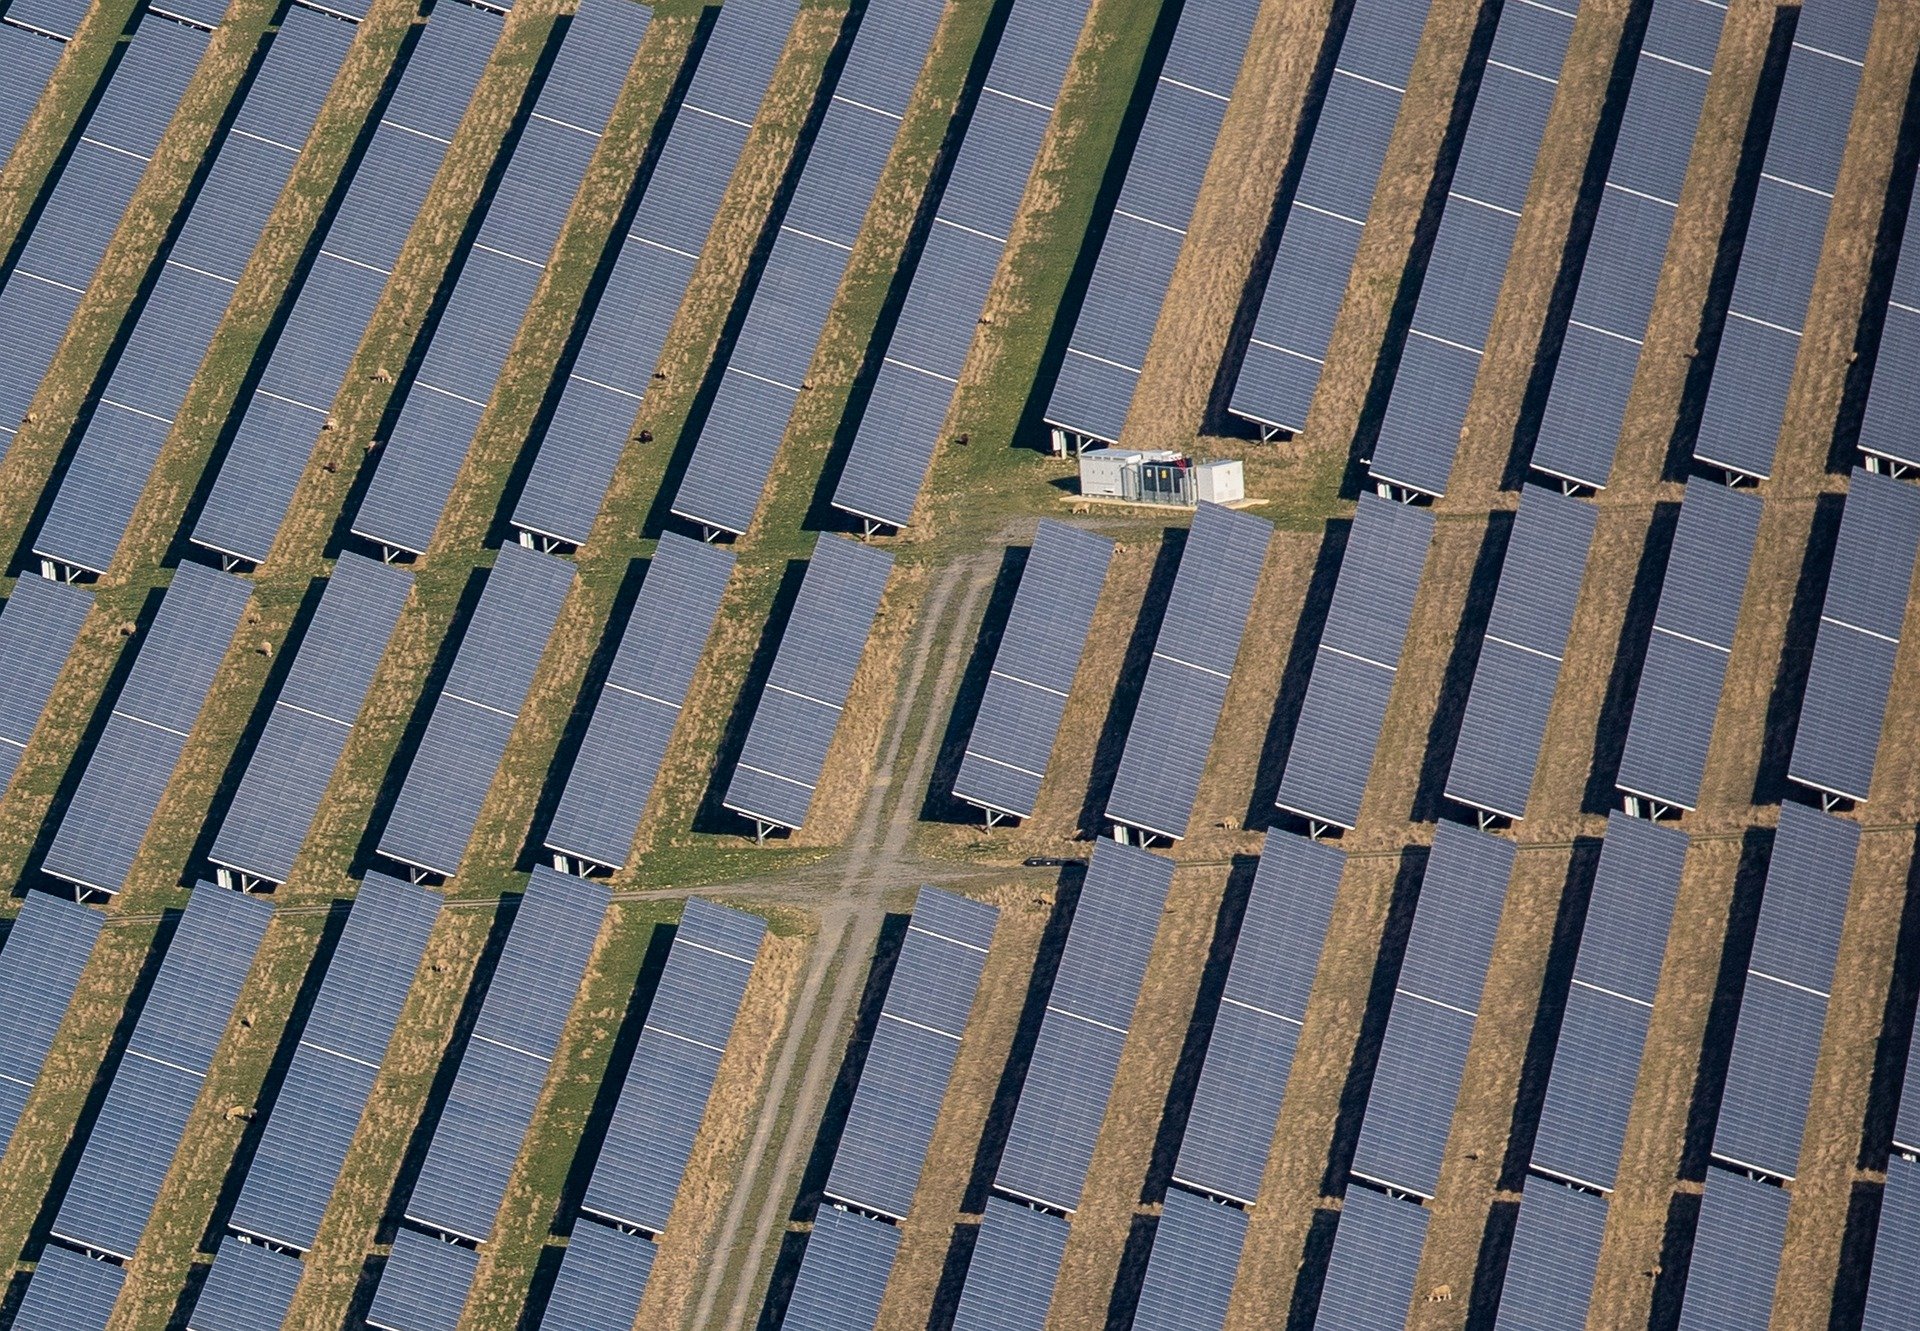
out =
column 1159, row 476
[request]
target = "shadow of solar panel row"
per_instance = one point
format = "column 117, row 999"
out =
column 602, row 1279
column 38, row 627
column 1148, row 226
column 612, row 777
column 128, row 771
column 439, row 803
column 309, row 724
column 134, row 1138
column 1554, row 1255
column 1033, row 670
column 1467, row 266
column 1505, row 720
column 83, row 204
column 47, row 947
column 1354, row 669
column 1370, row 1272
column 1736, row 1253
column 122, row 439
column 1089, row 1012
column 843, row 1281
column 578, row 449
column 1747, row 398
column 1852, row 673
column 1889, row 1295
column 1763, row 1109
column 1185, row 692
column 29, row 59
column 909, row 1062
column 424, row 1284
column 766, row 368
column 899, row 430
column 248, row 1288
column 807, row 687
column 1587, row 403
column 1665, row 755
column 1893, row 397
column 499, row 275
column 1015, row 1265
column 1320, row 234
column 70, row 1292
column 341, row 287
column 1196, row 1255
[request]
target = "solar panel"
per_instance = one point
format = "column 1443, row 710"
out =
column 310, row 722
column 1016, row 1263
column 30, row 59
column 1376, row 1254
column 1354, row 668
column 1236, row 1102
column 423, row 1285
column 47, row 948
column 843, row 1273
column 603, row 1276
column 1033, row 670
column 1185, row 691
column 102, row 827
column 909, row 1062
column 307, row 362
column 627, row 327
column 612, row 778
column 1427, row 406
column 249, row 1287
column 63, row 17
column 651, row 1134
column 1555, row 1253
column 1746, row 400
column 799, row 711
column 1893, row 397
column 69, row 1292
column 1889, row 1297
column 1089, row 1012
column 1587, row 403
column 38, row 627
column 434, row 816
column 1736, row 1253
column 1190, row 1273
column 1519, row 668
column 1666, row 748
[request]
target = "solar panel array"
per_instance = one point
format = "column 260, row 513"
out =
column 1185, row 692
column 580, row 446
column 844, row 1277
column 807, row 687
column 602, row 1278
column 1665, row 755
column 57, row 257
column 248, row 1288
column 1320, row 234
column 29, row 59
column 486, row 1114
column 46, row 950
column 309, row 724
column 1016, row 1263
column 1852, row 673
column 1505, row 720
column 1196, row 1255
column 766, row 369
column 1376, row 1253
column 1033, row 670
column 899, row 429
column 134, row 414
column 1747, row 399
column 439, row 803
column 355, row 253
column 62, row 18
column 1149, row 223
column 1359, row 655
column 70, row 1291
column 1440, row 362
column 1554, row 1256
column 1736, row 1253
column 132, row 763
column 639, row 705
column 1896, row 1244
column 1587, row 403
column 38, row 627
column 1893, row 398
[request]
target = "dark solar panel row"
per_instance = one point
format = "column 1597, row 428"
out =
column 187, row 300
column 1736, row 1253
column 82, row 207
column 1149, row 223
column 310, row 722
column 766, row 370
column 1196, row 1255
column 424, row 1284
column 499, row 275
column 1016, row 1264
column 1320, row 235
column 1358, row 658
column 1033, row 670
column 843, row 1280
column 439, row 803
column 1889, row 1298
column 1747, row 399
column 248, row 1288
column 1665, row 755
column 307, row 362
column 1852, row 673
column 29, row 59
column 1520, row 657
column 1185, row 692
column 612, row 776
column 913, row 389
column 579, row 447
column 1893, row 398
column 1089, row 1013
column 62, row 18
column 70, row 1292
column 1553, row 1258
column 130, row 767
column 1370, row 1272
column 46, row 950
column 38, row 627
column 807, row 687
column 602, row 1279
column 1587, row 404
column 1440, row 362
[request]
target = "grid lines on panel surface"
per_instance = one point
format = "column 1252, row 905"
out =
column 765, row 371
column 424, row 1284
column 29, row 57
column 1554, row 1255
column 38, row 626
column 1196, row 1255
column 603, row 1276
column 843, row 1279
column 1736, row 1253
column 250, row 1287
column 46, row 951
column 1893, row 397
column 70, row 1292
column 1370, row 1272
column 1016, row 1263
